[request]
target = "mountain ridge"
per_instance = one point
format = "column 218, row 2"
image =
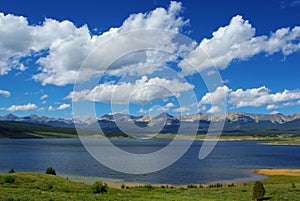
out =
column 234, row 121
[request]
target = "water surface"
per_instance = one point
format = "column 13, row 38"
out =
column 230, row 160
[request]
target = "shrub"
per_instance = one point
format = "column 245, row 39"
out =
column 148, row 186
column 122, row 186
column 258, row 191
column 99, row 187
column 293, row 185
column 191, row 186
column 49, row 186
column 50, row 170
column 9, row 179
column 11, row 171
column 231, row 185
column 217, row 185
column 9, row 199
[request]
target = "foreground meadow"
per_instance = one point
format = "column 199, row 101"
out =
column 37, row 186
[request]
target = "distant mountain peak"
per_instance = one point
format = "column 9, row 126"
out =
column 10, row 117
column 164, row 115
column 59, row 122
column 235, row 121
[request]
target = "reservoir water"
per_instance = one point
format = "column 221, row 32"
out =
column 230, row 161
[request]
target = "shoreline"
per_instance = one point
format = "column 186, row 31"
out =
column 278, row 143
column 261, row 140
column 161, row 137
column 116, row 183
column 255, row 175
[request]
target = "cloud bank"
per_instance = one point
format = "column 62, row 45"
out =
column 237, row 41
column 26, row 107
column 67, row 45
column 142, row 91
column 254, row 97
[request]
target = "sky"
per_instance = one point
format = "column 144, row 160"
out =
column 246, row 51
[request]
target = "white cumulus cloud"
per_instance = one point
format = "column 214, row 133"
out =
column 144, row 90
column 237, row 40
column 169, row 105
column 5, row 93
column 272, row 107
column 44, row 97
column 51, row 108
column 254, row 97
column 67, row 45
column 214, row 109
column 63, row 106
column 26, row 107
column 181, row 109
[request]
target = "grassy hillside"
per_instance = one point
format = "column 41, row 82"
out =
column 35, row 186
column 19, row 130
column 15, row 130
column 22, row 130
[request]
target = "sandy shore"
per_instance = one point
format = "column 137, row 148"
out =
column 277, row 172
column 116, row 183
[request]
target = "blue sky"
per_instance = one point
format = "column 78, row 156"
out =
column 253, row 44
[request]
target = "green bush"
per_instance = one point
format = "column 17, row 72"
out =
column 50, row 170
column 11, row 171
column 9, row 179
column 191, row 186
column 217, row 185
column 258, row 191
column 48, row 186
column 122, row 186
column 231, row 185
column 293, row 185
column 99, row 187
column 148, row 186
column 9, row 199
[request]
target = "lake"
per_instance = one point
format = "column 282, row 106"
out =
column 230, row 161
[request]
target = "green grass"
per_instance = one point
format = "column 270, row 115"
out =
column 36, row 186
column 21, row 130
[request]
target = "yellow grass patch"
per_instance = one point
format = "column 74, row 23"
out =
column 276, row 172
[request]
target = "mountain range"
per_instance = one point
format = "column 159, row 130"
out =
column 235, row 122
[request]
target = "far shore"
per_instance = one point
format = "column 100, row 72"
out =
column 266, row 140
